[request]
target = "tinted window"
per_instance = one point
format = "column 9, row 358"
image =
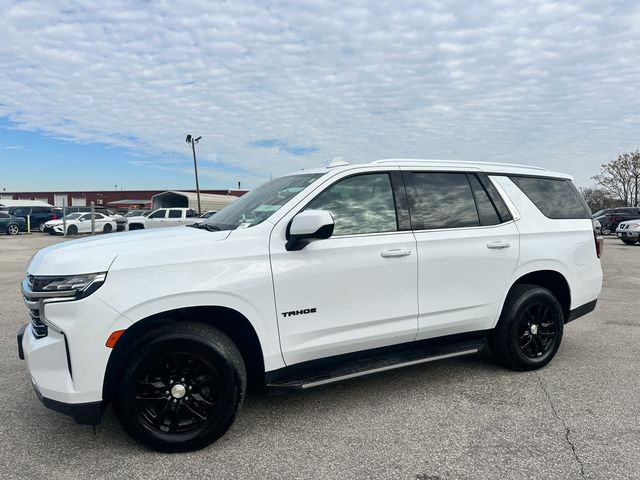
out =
column 359, row 204
column 442, row 200
column 4, row 215
column 158, row 214
column 486, row 210
column 21, row 212
column 97, row 216
column 555, row 198
column 191, row 213
column 175, row 214
column 85, row 217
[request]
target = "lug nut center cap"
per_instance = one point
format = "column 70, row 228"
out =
column 178, row 390
column 534, row 329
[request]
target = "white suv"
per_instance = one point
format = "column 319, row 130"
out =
column 314, row 277
column 163, row 217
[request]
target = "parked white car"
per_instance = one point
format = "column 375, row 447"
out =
column 315, row 277
column 163, row 217
column 629, row 231
column 81, row 223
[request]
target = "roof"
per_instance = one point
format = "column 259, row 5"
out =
column 487, row 167
column 129, row 202
column 23, row 203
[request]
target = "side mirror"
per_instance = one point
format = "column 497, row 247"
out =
column 81, row 219
column 308, row 226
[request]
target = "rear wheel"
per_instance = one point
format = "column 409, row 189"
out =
column 181, row 388
column 606, row 231
column 107, row 228
column 13, row 229
column 530, row 328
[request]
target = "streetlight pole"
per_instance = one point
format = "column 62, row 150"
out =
column 193, row 142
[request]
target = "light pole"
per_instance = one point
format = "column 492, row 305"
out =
column 193, row 142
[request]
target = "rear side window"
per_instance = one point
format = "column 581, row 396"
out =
column 555, row 198
column 441, row 200
column 175, row 214
column 486, row 211
column 4, row 215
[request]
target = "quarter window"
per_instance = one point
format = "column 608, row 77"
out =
column 360, row 204
column 442, row 200
column 554, row 197
column 486, row 211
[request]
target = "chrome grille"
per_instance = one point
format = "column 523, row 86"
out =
column 35, row 301
column 39, row 329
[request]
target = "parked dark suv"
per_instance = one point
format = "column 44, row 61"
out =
column 39, row 215
column 610, row 218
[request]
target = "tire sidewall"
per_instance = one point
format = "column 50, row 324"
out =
column 72, row 230
column 232, row 384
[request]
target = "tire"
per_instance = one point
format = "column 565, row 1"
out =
column 514, row 342
column 41, row 227
column 179, row 359
column 13, row 229
column 72, row 230
column 629, row 242
column 107, row 228
column 606, row 231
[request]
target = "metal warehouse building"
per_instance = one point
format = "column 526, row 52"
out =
column 114, row 198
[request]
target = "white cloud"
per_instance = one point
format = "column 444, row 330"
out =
column 549, row 83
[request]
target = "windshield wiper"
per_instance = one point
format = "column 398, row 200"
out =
column 210, row 228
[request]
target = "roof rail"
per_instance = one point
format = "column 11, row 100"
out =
column 456, row 162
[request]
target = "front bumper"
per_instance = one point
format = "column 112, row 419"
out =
column 628, row 235
column 68, row 360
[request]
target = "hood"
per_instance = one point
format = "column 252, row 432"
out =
column 96, row 254
column 630, row 222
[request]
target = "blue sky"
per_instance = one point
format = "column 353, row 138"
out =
column 97, row 94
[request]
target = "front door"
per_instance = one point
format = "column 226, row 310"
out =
column 354, row 291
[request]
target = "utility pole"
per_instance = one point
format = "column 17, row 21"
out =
column 193, row 142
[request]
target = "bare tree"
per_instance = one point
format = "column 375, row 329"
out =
column 599, row 199
column 621, row 177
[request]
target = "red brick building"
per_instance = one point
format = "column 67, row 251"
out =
column 102, row 198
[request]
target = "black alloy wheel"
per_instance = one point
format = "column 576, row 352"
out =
column 536, row 331
column 72, row 230
column 177, row 393
column 530, row 328
column 181, row 387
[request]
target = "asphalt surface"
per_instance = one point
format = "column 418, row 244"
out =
column 577, row 418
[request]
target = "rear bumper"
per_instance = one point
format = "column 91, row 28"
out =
column 581, row 311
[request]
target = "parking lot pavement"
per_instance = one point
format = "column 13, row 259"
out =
column 467, row 418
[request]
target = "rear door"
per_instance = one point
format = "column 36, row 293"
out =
column 467, row 247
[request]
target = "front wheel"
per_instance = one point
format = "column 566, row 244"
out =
column 530, row 328
column 107, row 228
column 181, row 387
column 629, row 242
column 13, row 229
column 41, row 227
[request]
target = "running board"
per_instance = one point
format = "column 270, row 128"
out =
column 345, row 367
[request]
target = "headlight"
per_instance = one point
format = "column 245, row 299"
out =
column 84, row 285
column 636, row 227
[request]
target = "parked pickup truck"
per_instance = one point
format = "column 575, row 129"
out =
column 163, row 217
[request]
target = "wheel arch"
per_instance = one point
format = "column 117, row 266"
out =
column 552, row 280
column 231, row 322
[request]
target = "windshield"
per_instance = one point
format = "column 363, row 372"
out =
column 259, row 204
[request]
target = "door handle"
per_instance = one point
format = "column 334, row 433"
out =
column 399, row 252
column 498, row 245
